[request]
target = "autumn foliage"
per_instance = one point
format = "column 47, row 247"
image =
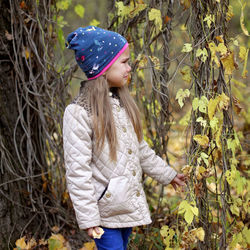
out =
column 189, row 75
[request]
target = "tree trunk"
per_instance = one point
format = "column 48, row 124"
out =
column 32, row 100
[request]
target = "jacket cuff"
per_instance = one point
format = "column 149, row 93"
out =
column 170, row 176
column 85, row 226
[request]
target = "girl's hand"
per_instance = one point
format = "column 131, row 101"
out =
column 179, row 180
column 95, row 232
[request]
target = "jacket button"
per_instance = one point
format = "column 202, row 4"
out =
column 134, row 173
column 124, row 129
column 129, row 151
column 138, row 193
column 108, row 195
column 118, row 109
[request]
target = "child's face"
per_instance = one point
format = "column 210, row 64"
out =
column 118, row 73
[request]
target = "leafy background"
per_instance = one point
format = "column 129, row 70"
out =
column 195, row 121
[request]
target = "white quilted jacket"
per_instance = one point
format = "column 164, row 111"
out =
column 106, row 193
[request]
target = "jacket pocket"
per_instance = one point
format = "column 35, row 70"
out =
column 117, row 198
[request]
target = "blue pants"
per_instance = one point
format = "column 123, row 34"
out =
column 114, row 239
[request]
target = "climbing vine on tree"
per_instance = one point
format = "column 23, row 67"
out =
column 215, row 204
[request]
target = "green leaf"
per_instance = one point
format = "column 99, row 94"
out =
column 155, row 15
column 246, row 234
column 54, row 244
column 204, row 157
column 79, row 10
column 94, row 22
column 195, row 103
column 209, row 19
column 214, row 123
column 63, row 5
column 187, row 47
column 181, row 95
column 122, row 10
column 203, row 103
column 202, row 53
column 235, row 210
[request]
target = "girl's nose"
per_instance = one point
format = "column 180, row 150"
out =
column 128, row 68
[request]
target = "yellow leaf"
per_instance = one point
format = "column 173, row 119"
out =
column 202, row 53
column 142, row 61
column 57, row 237
column 185, row 71
column 26, row 53
column 202, row 121
column 89, row 246
column 32, row 243
column 155, row 15
column 203, row 102
column 186, row 170
column 167, row 234
column 79, row 10
column 94, row 22
column 241, row 84
column 181, row 95
column 199, row 171
column 186, row 4
column 187, row 47
column 212, row 104
column 222, row 49
column 214, row 123
column 218, row 138
column 57, row 242
column 230, row 13
column 55, row 229
column 213, row 49
column 199, row 233
column 43, row 242
column 223, row 101
column 21, row 243
column 209, row 19
column 220, row 39
column 242, row 53
column 244, row 29
column 228, row 63
column 202, row 140
column 188, row 210
column 156, row 62
column 122, row 10
column 244, row 72
column 134, row 10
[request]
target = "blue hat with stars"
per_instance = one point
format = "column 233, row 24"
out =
column 95, row 49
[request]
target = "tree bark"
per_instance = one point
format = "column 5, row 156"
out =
column 32, row 100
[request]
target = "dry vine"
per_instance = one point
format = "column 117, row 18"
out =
column 32, row 175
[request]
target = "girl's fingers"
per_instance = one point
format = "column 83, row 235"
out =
column 180, row 182
column 90, row 232
column 97, row 230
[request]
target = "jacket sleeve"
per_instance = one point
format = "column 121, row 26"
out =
column 155, row 166
column 77, row 143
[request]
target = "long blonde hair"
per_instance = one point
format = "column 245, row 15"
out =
column 102, row 116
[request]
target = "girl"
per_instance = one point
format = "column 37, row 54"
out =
column 105, row 154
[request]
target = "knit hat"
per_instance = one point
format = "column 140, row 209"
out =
column 95, row 49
